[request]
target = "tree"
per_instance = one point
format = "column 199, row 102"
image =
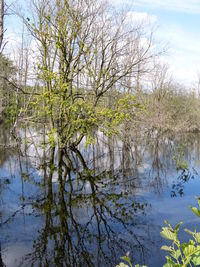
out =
column 7, row 95
column 7, row 71
column 85, row 50
column 2, row 14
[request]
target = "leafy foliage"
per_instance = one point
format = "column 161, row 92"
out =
column 8, row 106
column 182, row 254
column 129, row 264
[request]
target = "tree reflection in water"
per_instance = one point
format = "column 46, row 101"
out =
column 178, row 186
column 90, row 205
column 88, row 221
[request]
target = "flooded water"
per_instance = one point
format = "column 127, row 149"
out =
column 90, row 206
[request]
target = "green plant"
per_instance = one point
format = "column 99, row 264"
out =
column 128, row 262
column 182, row 254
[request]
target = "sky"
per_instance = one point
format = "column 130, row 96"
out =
column 177, row 27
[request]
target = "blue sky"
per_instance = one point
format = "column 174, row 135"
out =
column 178, row 26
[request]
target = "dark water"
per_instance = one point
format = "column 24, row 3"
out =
column 90, row 206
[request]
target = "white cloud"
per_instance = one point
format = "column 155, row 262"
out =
column 184, row 52
column 141, row 17
column 188, row 6
column 185, row 56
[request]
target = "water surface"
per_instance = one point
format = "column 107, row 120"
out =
column 90, row 206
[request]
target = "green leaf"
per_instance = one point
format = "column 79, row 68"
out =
column 170, row 262
column 196, row 211
column 188, row 260
column 189, row 250
column 168, row 234
column 168, row 265
column 178, row 226
column 166, row 248
column 196, row 259
column 197, row 237
column 122, row 265
column 188, row 231
column 184, row 245
column 176, row 254
column 125, row 258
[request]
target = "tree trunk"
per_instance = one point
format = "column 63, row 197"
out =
column 2, row 6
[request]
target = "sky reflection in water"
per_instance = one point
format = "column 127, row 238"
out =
column 89, row 207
